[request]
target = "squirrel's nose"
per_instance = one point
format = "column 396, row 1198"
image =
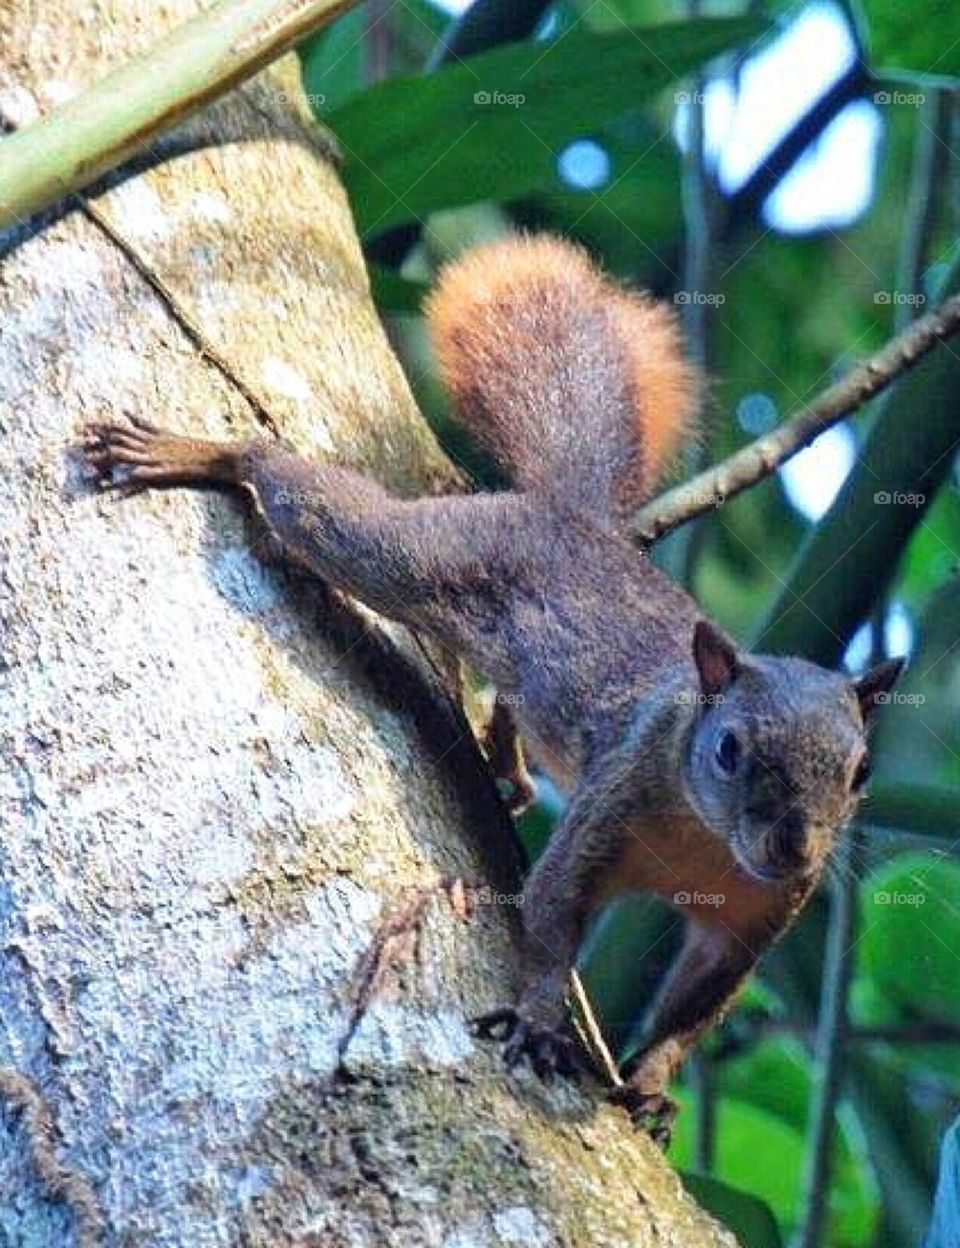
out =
column 787, row 842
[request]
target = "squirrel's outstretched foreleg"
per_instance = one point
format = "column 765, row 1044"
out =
column 436, row 564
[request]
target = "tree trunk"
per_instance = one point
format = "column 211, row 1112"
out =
column 245, row 826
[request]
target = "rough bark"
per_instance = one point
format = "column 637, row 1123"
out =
column 241, row 818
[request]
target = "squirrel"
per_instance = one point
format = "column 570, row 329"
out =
column 693, row 770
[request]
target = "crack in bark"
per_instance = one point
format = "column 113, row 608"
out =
column 181, row 316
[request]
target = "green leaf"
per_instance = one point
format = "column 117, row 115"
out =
column 846, row 563
column 333, row 62
column 900, row 1139
column 640, row 200
column 750, row 1219
column 901, row 37
column 740, row 1161
column 757, row 1152
column 911, row 924
column 492, row 127
column 773, row 1075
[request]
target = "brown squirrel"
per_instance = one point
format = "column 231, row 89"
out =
column 693, row 770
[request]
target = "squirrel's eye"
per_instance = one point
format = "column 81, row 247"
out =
column 862, row 774
column 727, row 751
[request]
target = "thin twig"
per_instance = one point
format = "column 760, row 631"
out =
column 830, row 1047
column 586, row 1023
column 764, row 456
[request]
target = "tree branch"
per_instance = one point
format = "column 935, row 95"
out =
column 83, row 139
column 761, row 458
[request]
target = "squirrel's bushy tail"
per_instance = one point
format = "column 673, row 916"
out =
column 577, row 388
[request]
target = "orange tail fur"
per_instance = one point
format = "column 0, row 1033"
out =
column 575, row 387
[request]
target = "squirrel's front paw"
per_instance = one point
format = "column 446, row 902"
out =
column 549, row 1052
column 652, row 1112
column 135, row 455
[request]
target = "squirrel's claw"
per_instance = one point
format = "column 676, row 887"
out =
column 652, row 1112
column 496, row 1025
column 127, row 447
column 549, row 1052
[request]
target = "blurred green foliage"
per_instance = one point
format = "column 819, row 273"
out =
column 431, row 170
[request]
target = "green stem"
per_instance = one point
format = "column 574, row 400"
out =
column 925, row 181
column 85, row 138
column 830, row 1048
column 677, row 554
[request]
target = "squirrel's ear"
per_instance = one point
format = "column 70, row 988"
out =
column 715, row 657
column 873, row 686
